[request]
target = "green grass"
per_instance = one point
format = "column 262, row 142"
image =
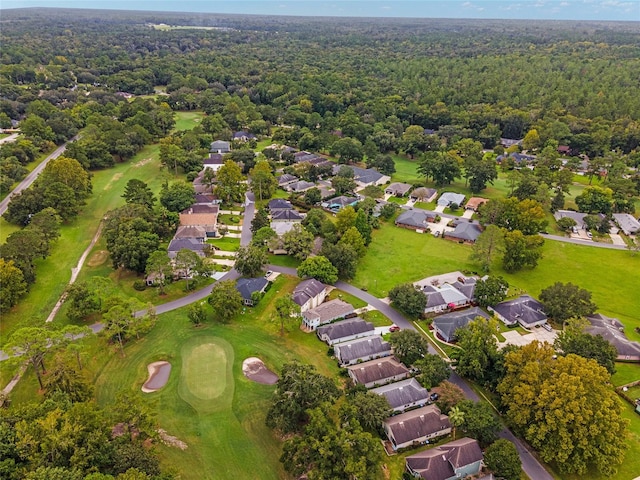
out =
column 226, row 243
column 398, row 200
column 284, row 261
column 356, row 302
column 187, row 120
column 227, row 219
column 377, row 318
column 626, row 373
column 406, row 170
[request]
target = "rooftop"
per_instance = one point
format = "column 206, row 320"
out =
column 403, row 392
column 247, row 286
column 361, row 348
column 345, row 328
column 377, row 370
column 524, row 309
column 306, row 290
column 329, row 311
column 417, row 423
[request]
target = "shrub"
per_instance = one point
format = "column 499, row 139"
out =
column 140, row 285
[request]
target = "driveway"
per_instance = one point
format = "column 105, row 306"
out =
column 468, row 213
column 588, row 243
column 439, row 208
column 514, row 337
column 617, row 239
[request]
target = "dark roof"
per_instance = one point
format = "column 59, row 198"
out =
column 241, row 134
column 286, row 178
column 612, row 330
column 279, row 204
column 517, row 157
column 205, row 197
column 450, row 322
column 345, row 328
column 438, row 463
column 192, row 244
column 246, row 286
column 363, row 175
column 328, row 311
column 466, row 231
column 524, row 309
column 415, row 218
column 360, row 348
column 418, row 423
column 342, row 201
column 213, row 159
column 306, row 290
column 403, row 392
column 377, row 370
column 201, row 208
column 300, row 185
column 290, row 215
column 423, row 192
column 190, row 231
column 398, row 188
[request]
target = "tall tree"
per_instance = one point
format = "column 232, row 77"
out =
column 231, row 187
column 286, row 310
column 177, row 196
column 456, row 417
column 521, row 251
column 225, row 300
column 502, row 458
column 12, row 285
column 409, row 346
column 137, row 191
column 432, row 370
column 408, row 299
column 159, row 268
column 189, row 263
column 33, row 343
column 298, row 242
column 573, row 339
column 491, row 290
column 263, row 183
column 441, row 166
column 320, row 268
column 478, row 352
column 489, row 244
column 564, row 301
column 479, row 421
column 250, row 260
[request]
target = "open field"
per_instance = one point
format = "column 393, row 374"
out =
column 187, row 120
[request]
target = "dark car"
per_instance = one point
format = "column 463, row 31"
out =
column 434, row 396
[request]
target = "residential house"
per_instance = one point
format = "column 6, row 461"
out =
column 283, row 226
column 364, row 176
column 361, row 350
column 415, row 219
column 303, row 156
column 378, row 372
column 192, row 244
column 525, row 310
column 627, row 223
column 278, row 204
column 326, row 190
column 446, row 325
column 309, row 294
column 202, row 187
column 520, row 159
column 299, row 186
column 612, row 330
column 474, row 203
column 415, row 427
column 404, row 394
column 510, row 142
column 286, row 179
column 577, row 217
column 449, row 198
column 243, row 136
column 398, row 189
column 338, row 203
column 214, row 161
column 325, row 313
column 286, row 216
column 464, row 232
column 424, row 194
column 202, row 215
column 565, row 150
column 345, row 331
column 207, row 199
column 248, row 287
column 452, row 296
column 220, row 146
column 191, row 231
column 452, row 461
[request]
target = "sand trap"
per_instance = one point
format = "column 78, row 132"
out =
column 255, row 369
column 158, row 376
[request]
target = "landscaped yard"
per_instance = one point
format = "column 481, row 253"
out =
column 188, row 120
column 227, row 244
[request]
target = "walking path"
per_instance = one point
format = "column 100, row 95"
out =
column 10, row 138
column 588, row 243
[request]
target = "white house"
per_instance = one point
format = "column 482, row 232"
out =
column 309, row 294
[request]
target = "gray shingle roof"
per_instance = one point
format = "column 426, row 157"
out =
column 279, row 204
column 403, row 392
column 447, row 198
column 378, row 370
column 286, row 178
column 418, row 423
column 438, row 463
column 363, row 175
column 627, row 223
column 345, row 328
column 524, row 309
column 192, row 244
column 246, row 286
column 415, row 218
column 290, row 215
column 306, row 290
column 329, row 311
column 611, row 330
column 448, row 323
column 361, row 348
column 397, row 188
column 466, row 231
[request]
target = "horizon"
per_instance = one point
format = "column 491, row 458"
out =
column 562, row 10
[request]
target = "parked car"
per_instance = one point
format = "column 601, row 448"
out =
column 394, row 328
column 547, row 327
column 434, row 396
column 268, row 274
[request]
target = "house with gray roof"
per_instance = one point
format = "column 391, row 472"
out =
column 398, row 189
column 627, row 223
column 525, row 310
column 364, row 176
column 448, row 198
column 248, row 287
column 192, row 244
column 375, row 373
column 447, row 296
column 424, row 194
column 214, row 161
column 416, row 427
column 345, row 331
column 243, row 136
column 454, row 460
column 279, row 204
column 509, row 142
column 309, row 294
column 612, row 330
column 577, row 217
column 220, row 146
column 191, row 231
column 338, row 203
column 404, row 394
column 415, row 219
column 446, row 325
column 286, row 216
column 361, row 350
column 285, row 179
column 325, row 313
column 464, row 232
column 299, row 186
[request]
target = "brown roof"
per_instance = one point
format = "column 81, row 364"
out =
column 422, row 422
column 377, row 370
column 475, row 202
column 190, row 231
column 329, row 311
column 438, row 463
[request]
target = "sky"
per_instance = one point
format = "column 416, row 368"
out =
column 625, row 10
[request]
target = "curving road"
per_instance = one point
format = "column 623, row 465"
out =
column 586, row 243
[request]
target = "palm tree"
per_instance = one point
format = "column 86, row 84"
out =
column 456, row 417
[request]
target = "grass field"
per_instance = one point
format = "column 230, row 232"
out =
column 187, row 120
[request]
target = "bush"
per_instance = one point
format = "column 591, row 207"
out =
column 140, row 285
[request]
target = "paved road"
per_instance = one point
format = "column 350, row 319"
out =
column 10, row 138
column 26, row 183
column 588, row 243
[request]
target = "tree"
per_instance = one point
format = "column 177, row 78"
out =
column 345, row 219
column 363, row 225
column 299, row 389
column 480, row 421
column 250, row 260
column 489, row 244
column 231, row 187
column 408, row 299
column 177, row 196
column 546, row 402
column 348, row 150
column 263, row 237
column 595, row 199
column 566, row 223
column 480, row 172
column 82, row 301
column 137, row 191
column 368, row 409
column 449, row 395
column 343, row 257
column 502, row 458
column 298, row 242
column 491, row 290
column 12, row 284
column 63, row 377
column 572, row 339
column 456, row 417
column 32, row 343
column 187, row 262
column 312, row 196
column 432, row 370
column 159, row 268
column 441, row 166
column 343, row 185
column 260, row 220
column 70, row 173
column 225, row 300
column 478, row 352
column 47, row 222
column 197, row 313
column 320, row 268
column 353, row 239
column 521, row 251
column 286, row 309
column 564, row 301
column 263, row 183
column 409, row 346
column 383, row 163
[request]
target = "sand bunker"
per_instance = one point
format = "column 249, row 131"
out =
column 158, row 376
column 255, row 369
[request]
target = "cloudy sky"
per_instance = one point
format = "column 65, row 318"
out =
column 627, row 10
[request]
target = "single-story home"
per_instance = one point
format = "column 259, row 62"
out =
column 361, row 350
column 300, row 186
column 525, row 310
column 249, row 286
column 446, row 325
column 612, row 330
column 279, row 204
column 424, row 194
column 286, row 216
column 191, row 231
column 627, row 223
column 338, row 203
column 378, row 372
column 282, row 226
column 309, row 294
column 415, row 219
column 345, row 331
column 365, row 176
column 464, row 232
column 520, row 159
column 220, row 146
column 449, row 296
column 449, row 198
column 243, row 136
column 285, row 179
column 474, row 203
column 192, row 244
column 398, row 189
column 577, row 217
column 214, row 161
column 417, row 426
column 509, row 142
column 454, row 460
column 326, row 313
column 404, row 394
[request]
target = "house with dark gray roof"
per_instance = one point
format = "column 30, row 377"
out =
column 299, row 186
column 285, row 179
column 249, row 286
column 449, row 198
column 627, row 223
column 447, row 296
column 525, row 310
column 191, row 231
column 361, row 350
column 345, row 331
column 309, row 294
column 192, row 244
column 464, row 232
column 446, row 325
column 279, row 204
column 243, row 136
column 404, row 394
column 398, row 189
column 577, row 217
column 454, row 460
column 520, row 159
column 415, row 219
column 364, row 176
column 286, row 216
column 375, row 373
column 220, row 146
column 338, row 203
column 612, row 330
column 424, row 194
column 325, row 313
column 213, row 161
column 416, row 427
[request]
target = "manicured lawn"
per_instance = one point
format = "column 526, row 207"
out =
column 626, row 373
column 227, row 219
column 284, row 261
column 406, row 170
column 356, row 302
column 398, row 200
column 188, row 120
column 376, row 317
column 228, row 244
